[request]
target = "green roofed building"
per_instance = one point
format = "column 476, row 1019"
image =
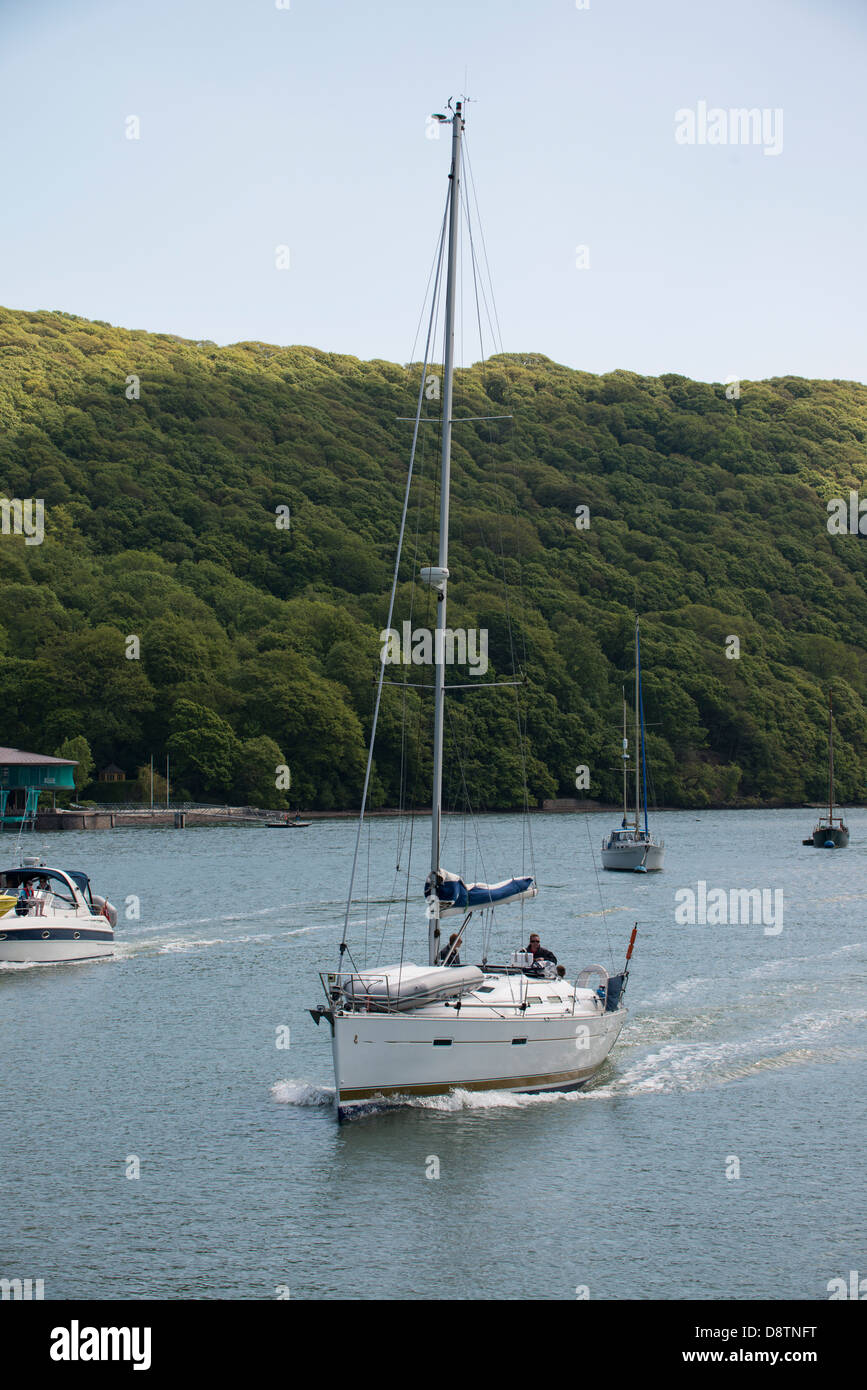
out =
column 23, row 776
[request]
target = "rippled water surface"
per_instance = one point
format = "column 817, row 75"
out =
column 742, row 1044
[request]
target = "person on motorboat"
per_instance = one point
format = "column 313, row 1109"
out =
column 25, row 898
column 41, row 896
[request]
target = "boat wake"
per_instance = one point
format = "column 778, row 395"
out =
column 690, row 1065
column 675, row 1067
column 153, row 945
column 301, row 1093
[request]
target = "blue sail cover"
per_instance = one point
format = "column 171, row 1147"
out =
column 456, row 896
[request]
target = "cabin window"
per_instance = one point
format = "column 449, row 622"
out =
column 517, row 1042
column 534, row 999
column 442, row 1042
column 485, row 989
column 554, row 999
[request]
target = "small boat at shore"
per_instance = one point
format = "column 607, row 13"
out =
column 48, row 916
column 287, row 823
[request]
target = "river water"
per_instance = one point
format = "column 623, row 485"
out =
column 718, row 1154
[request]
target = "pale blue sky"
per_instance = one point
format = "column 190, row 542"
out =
column 306, row 126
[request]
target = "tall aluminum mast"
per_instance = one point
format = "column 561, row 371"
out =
column 637, row 738
column 440, row 580
column 625, row 757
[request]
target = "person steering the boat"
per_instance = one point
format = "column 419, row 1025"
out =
column 539, row 952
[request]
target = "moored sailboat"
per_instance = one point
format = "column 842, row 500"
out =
column 830, row 832
column 423, row 1030
column 632, row 848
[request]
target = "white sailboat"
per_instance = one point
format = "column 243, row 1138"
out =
column 422, row 1030
column 632, row 848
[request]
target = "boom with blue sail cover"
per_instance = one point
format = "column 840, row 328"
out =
column 454, row 895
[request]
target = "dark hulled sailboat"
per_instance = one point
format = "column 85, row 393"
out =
column 830, row 832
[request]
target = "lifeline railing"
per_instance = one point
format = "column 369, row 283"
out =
column 363, row 1000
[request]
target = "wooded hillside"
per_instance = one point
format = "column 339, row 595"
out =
column 259, row 642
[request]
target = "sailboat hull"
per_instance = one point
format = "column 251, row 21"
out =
column 390, row 1055
column 837, row 834
column 630, row 857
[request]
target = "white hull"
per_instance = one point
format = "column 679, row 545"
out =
column 34, row 949
column 436, row 1049
column 629, row 857
column 58, row 920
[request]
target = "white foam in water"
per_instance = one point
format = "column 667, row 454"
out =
column 674, row 1067
column 488, row 1100
column 300, row 931
column 302, row 1093
column 776, row 966
column 126, row 947
column 674, row 991
column 187, row 944
column 691, row 1066
column 51, row 964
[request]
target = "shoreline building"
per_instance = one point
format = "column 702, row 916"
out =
column 23, row 776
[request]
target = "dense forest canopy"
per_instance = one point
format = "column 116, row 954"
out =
column 237, row 509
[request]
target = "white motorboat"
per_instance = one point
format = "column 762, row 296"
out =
column 631, row 848
column 410, row 1030
column 50, row 915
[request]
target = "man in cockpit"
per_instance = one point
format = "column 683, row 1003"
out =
column 539, row 952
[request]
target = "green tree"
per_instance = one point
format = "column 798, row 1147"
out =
column 143, row 786
column 204, row 748
column 79, row 749
column 259, row 764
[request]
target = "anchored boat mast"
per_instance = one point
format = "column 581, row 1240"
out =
column 637, row 738
column 625, row 757
column 830, row 758
column 439, row 580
